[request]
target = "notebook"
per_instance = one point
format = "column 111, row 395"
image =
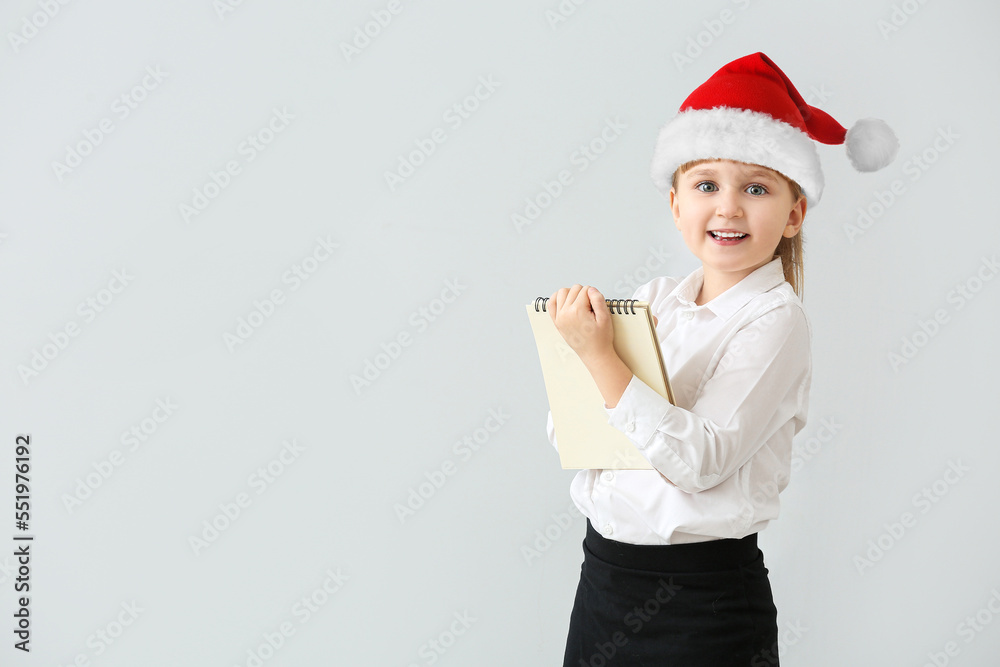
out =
column 583, row 436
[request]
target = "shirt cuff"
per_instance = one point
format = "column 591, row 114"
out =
column 638, row 412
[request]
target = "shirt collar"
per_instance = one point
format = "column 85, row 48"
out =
column 761, row 280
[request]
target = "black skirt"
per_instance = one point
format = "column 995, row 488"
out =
column 707, row 603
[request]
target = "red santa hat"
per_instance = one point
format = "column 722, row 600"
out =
column 749, row 111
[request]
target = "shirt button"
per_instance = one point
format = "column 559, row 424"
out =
column 608, row 476
column 688, row 314
column 607, row 529
column 629, row 427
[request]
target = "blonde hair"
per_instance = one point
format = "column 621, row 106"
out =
column 789, row 249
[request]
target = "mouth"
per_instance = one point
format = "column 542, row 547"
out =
column 723, row 237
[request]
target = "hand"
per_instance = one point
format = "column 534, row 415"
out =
column 583, row 318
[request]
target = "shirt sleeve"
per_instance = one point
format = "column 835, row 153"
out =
column 759, row 384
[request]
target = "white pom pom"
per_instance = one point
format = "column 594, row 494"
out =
column 871, row 144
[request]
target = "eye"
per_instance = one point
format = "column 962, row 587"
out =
column 711, row 187
column 757, row 189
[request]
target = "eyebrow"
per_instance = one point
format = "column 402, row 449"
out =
column 756, row 173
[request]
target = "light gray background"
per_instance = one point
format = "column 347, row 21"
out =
column 332, row 508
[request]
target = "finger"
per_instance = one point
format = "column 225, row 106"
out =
column 598, row 304
column 573, row 294
column 596, row 298
column 560, row 302
column 565, row 299
column 559, row 299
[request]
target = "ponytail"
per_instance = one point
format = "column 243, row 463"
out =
column 790, row 250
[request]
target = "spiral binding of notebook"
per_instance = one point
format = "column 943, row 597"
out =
column 616, row 305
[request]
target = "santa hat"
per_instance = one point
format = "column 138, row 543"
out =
column 749, row 111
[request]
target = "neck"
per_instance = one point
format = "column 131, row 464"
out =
column 716, row 282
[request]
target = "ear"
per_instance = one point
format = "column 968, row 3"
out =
column 675, row 208
column 795, row 218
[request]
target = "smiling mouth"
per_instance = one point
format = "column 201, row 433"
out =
column 728, row 235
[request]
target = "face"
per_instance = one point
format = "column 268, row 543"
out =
column 727, row 196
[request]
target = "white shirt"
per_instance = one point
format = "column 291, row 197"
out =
column 740, row 368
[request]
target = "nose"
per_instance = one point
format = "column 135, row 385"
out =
column 729, row 204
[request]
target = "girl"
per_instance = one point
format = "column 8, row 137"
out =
column 672, row 574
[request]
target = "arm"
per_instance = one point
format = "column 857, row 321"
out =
column 757, row 386
column 611, row 375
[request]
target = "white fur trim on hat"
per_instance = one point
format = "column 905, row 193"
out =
column 743, row 135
